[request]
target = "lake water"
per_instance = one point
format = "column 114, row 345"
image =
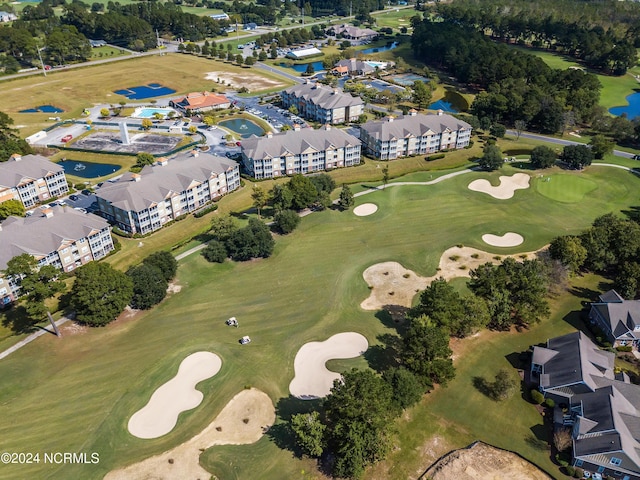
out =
column 43, row 109
column 444, row 106
column 302, row 67
column 88, row 169
column 384, row 48
column 632, row 110
column 245, row 128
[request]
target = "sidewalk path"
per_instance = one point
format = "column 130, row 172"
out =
column 31, row 338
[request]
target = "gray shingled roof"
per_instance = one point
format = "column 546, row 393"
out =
column 39, row 235
column 159, row 182
column 611, row 296
column 413, row 125
column 323, row 96
column 14, row 171
column 354, row 64
column 622, row 317
column 295, row 142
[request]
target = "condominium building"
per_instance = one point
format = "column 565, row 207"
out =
column 414, row 134
column 31, row 179
column 144, row 202
column 60, row 236
column 299, row 151
column 321, row 103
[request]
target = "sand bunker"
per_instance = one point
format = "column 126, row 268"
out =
column 312, row 379
column 160, row 414
column 506, row 189
column 509, row 239
column 242, row 421
column 392, row 284
column 249, row 80
column 480, row 461
column 365, row 209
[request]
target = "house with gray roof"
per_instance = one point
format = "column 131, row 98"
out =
column 7, row 17
column 299, row 151
column 60, row 236
column 601, row 407
column 618, row 318
column 321, row 103
column 352, row 33
column 352, row 66
column 414, row 134
column 32, row 179
column 144, row 202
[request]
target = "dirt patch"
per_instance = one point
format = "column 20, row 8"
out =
column 392, row 284
column 73, row 328
column 482, row 461
column 247, row 79
column 242, row 421
column 173, row 288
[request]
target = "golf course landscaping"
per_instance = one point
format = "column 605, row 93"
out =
column 77, row 394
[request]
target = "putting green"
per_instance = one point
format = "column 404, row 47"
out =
column 565, row 188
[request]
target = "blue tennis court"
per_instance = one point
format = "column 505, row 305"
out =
column 142, row 92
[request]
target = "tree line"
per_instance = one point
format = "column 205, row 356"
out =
column 517, row 86
column 572, row 28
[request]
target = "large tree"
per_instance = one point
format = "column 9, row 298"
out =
column 259, row 197
column 543, row 157
column 11, row 208
column 346, row 200
column 569, row 251
column 252, row 241
column 10, row 141
column 149, row 286
column 100, row 293
column 165, row 262
column 491, row 158
column 309, row 432
column 426, row 352
column 37, row 283
column 303, row 192
column 577, row 156
column 359, row 414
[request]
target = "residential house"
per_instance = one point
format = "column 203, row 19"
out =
column 7, row 17
column 321, row 103
column 97, row 43
column 200, row 102
column 299, row 151
column 144, row 202
column 250, row 26
column 355, row 67
column 414, row 134
column 60, row 236
column 32, row 179
column 618, row 318
column 352, row 33
column 600, row 406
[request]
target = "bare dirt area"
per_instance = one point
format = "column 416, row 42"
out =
column 480, row 461
column 242, row 421
column 392, row 284
column 247, row 79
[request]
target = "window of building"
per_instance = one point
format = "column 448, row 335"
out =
column 578, row 463
column 615, row 461
column 600, row 469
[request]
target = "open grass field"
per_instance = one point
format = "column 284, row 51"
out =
column 565, row 187
column 105, row 52
column 395, row 18
column 74, row 90
column 77, row 393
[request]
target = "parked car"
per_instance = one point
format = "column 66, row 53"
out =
column 66, row 138
column 73, row 197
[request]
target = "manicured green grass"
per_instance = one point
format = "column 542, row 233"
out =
column 565, row 187
column 395, row 18
column 98, row 53
column 309, row 289
column 554, row 60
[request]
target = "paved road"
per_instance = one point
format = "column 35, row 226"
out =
column 430, row 182
column 561, row 141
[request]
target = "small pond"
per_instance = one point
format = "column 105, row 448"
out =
column 43, row 109
column 245, row 128
column 632, row 110
column 443, row 105
column 88, row 169
column 384, row 48
column 302, row 67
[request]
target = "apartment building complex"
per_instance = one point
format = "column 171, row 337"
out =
column 58, row 236
column 414, row 134
column 144, row 202
column 32, row 179
column 299, row 151
column 321, row 103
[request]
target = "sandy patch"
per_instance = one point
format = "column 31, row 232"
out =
column 509, row 239
column 160, row 414
column 237, row 80
column 506, row 189
column 312, row 379
column 392, row 284
column 365, row 209
column 173, row 288
column 228, row 428
column 482, row 461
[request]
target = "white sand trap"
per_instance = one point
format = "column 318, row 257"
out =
column 365, row 209
column 160, row 414
column 506, row 189
column 509, row 239
column 228, row 428
column 312, row 379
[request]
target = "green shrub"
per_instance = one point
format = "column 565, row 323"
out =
column 215, row 252
column 434, row 157
column 624, row 348
column 550, row 403
column 204, row 211
column 536, row 396
column 571, row 471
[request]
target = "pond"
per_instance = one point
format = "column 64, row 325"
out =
column 443, row 105
column 43, row 109
column 245, row 128
column 632, row 110
column 88, row 169
column 384, row 48
column 302, row 67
